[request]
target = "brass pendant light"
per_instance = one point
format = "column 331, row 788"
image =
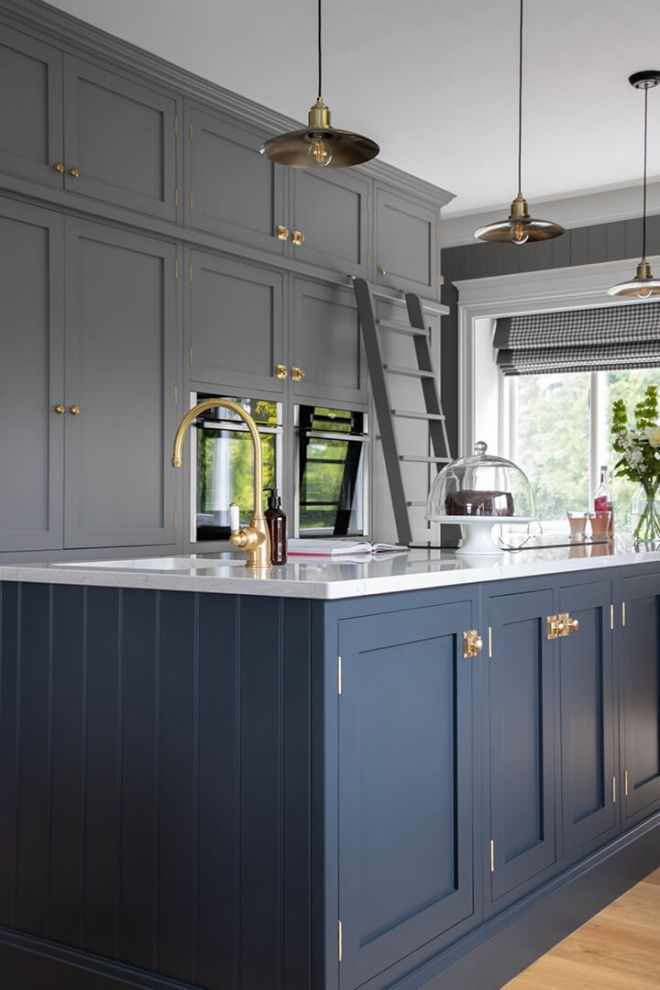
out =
column 319, row 145
column 644, row 285
column 519, row 227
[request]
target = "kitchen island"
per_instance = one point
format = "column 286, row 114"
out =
column 400, row 774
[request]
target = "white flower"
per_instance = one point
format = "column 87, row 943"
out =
column 634, row 457
column 652, row 434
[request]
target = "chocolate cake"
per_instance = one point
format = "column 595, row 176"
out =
column 468, row 503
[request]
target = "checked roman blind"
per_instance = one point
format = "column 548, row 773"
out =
column 602, row 339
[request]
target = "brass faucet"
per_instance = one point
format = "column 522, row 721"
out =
column 255, row 538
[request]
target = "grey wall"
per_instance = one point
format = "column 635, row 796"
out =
column 580, row 246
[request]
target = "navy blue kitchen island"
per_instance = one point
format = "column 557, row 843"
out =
column 300, row 781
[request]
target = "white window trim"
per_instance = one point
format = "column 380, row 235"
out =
column 580, row 287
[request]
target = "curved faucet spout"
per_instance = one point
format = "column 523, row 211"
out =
column 254, row 538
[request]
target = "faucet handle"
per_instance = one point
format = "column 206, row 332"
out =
column 234, row 517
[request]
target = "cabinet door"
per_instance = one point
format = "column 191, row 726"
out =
column 405, row 784
column 121, row 138
column 31, row 133
column 327, row 344
column 406, row 251
column 330, row 210
column 31, row 377
column 234, row 192
column 522, row 772
column 120, row 354
column 235, row 323
column 640, row 658
column 587, row 717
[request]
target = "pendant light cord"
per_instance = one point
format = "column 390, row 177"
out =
column 646, row 114
column 320, row 51
column 520, row 88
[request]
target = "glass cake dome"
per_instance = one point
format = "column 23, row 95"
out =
column 478, row 491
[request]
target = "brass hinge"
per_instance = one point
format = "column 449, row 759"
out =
column 175, row 518
column 338, row 675
column 176, row 197
column 490, row 642
column 623, row 613
column 190, row 131
column 611, row 616
column 492, row 855
column 191, row 201
column 190, row 354
column 340, row 940
column 625, row 783
column 176, row 393
column 177, row 269
column 613, row 790
column 175, row 126
column 190, row 272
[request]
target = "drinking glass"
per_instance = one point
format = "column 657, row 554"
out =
column 577, row 522
column 600, row 522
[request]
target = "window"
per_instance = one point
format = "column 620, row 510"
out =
column 560, row 435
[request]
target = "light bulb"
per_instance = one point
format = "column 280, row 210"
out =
column 320, row 151
column 643, row 292
column 519, row 233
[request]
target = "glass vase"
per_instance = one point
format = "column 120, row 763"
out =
column 645, row 511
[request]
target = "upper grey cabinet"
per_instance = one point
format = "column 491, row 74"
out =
column 406, row 249
column 235, row 320
column 31, row 132
column 329, row 219
column 327, row 362
column 234, row 191
column 120, row 140
column 31, row 377
column 120, row 398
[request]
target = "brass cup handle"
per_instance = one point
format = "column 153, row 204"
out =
column 75, row 410
column 281, row 371
column 297, row 374
column 74, row 173
column 59, row 167
column 297, row 237
column 282, row 232
column 382, row 270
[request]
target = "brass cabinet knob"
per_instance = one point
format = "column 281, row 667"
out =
column 281, row 371
column 572, row 624
column 562, row 625
column 297, row 237
column 297, row 374
column 473, row 644
column 282, row 232
column 75, row 410
column 58, row 167
column 60, row 410
column 74, row 173
column 382, row 270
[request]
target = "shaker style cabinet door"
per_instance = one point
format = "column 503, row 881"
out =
column 120, row 140
column 327, row 360
column 640, row 659
column 406, row 248
column 234, row 191
column 31, row 132
column 329, row 218
column 31, row 377
column 521, row 743
column 405, row 784
column 587, row 718
column 121, row 412
column 235, row 321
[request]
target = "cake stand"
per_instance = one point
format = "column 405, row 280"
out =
column 477, row 532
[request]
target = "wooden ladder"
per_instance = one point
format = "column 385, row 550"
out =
column 424, row 372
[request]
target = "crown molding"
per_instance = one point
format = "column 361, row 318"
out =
column 584, row 210
column 78, row 37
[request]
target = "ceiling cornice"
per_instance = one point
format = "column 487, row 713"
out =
column 74, row 35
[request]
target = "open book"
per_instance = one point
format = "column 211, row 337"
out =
column 338, row 548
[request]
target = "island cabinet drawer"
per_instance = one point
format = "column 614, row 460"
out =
column 521, row 839
column 405, row 786
column 638, row 614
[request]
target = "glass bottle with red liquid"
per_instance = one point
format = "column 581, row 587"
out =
column 603, row 500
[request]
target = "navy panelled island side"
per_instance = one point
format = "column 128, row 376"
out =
column 314, row 778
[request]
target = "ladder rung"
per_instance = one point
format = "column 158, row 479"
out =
column 402, row 328
column 410, row 414
column 424, row 460
column 409, row 372
column 416, row 505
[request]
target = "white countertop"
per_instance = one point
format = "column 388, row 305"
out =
column 328, row 578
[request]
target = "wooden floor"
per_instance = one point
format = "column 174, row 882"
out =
column 619, row 949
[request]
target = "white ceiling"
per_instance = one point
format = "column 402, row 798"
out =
column 433, row 81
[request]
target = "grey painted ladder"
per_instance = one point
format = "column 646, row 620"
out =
column 379, row 370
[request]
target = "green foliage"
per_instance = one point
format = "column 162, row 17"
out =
column 638, row 446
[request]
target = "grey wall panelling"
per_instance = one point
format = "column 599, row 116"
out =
column 406, row 243
column 120, row 373
column 31, row 124
column 331, row 210
column 31, row 377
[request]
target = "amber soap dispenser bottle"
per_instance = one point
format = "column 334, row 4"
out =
column 276, row 522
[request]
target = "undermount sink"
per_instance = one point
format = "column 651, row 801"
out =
column 184, row 563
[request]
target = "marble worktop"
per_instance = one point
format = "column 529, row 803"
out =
column 326, row 578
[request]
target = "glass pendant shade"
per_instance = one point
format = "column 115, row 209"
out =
column 643, row 286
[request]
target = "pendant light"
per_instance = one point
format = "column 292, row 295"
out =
column 519, row 227
column 643, row 285
column 319, row 145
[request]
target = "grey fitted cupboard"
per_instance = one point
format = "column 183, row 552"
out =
column 329, row 211
column 406, row 243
